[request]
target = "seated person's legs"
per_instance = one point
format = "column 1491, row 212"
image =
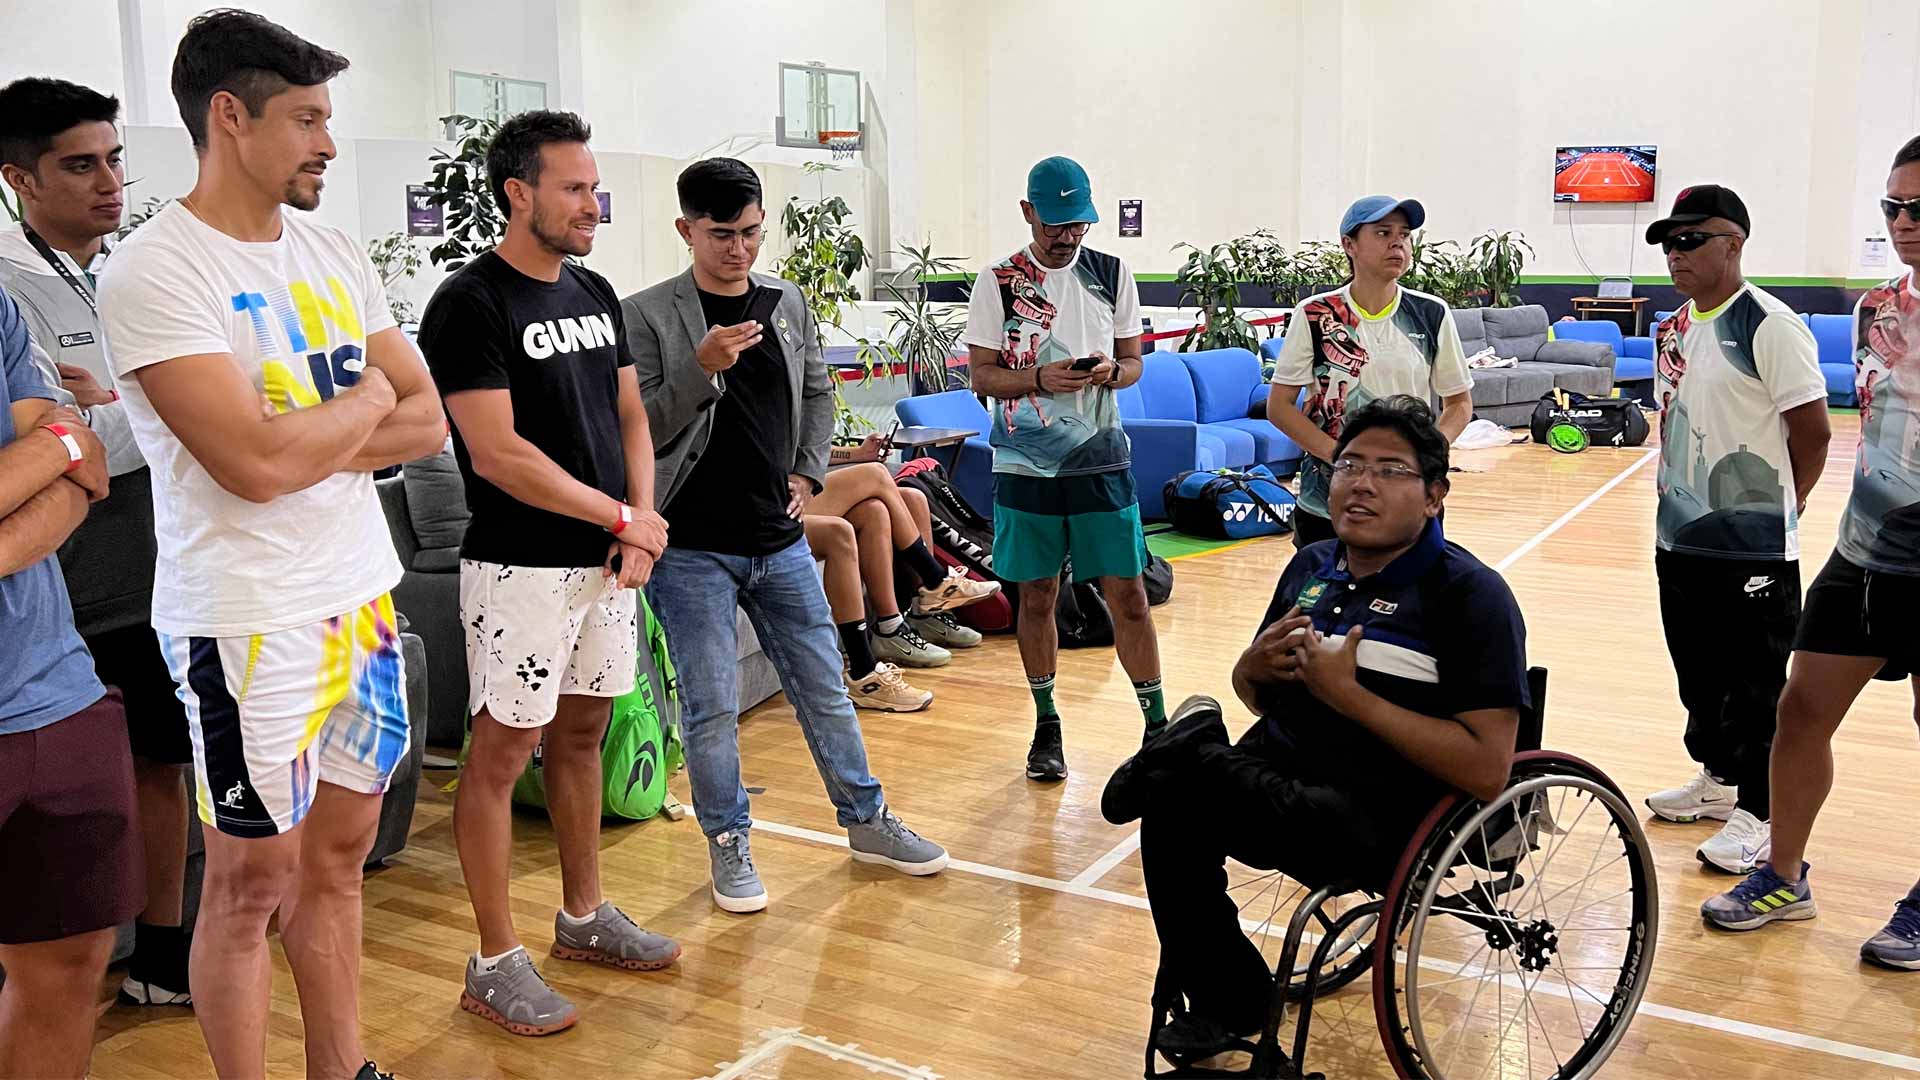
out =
column 893, row 640
column 940, row 590
column 871, row 684
column 939, row 627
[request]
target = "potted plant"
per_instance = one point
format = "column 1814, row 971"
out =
column 1210, row 281
column 919, row 334
column 823, row 254
column 396, row 259
column 1439, row 267
column 459, row 183
column 1500, row 255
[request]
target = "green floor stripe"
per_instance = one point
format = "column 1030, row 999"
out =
column 1171, row 545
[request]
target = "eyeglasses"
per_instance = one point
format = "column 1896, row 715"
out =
column 1076, row 230
column 725, row 238
column 1892, row 207
column 1690, row 240
column 1353, row 469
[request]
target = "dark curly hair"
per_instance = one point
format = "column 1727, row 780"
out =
column 34, row 110
column 514, row 153
column 1409, row 417
column 250, row 57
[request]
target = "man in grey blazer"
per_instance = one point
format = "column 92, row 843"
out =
column 742, row 412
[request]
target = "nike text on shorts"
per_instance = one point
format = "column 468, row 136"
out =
column 536, row 632
column 273, row 714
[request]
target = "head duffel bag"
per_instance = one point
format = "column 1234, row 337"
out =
column 1607, row 421
column 1225, row 504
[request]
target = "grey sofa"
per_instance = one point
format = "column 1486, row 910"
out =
column 1506, row 396
column 426, row 508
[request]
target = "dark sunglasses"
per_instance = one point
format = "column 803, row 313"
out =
column 1892, row 207
column 1690, row 240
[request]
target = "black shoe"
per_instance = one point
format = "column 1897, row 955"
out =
column 370, row 1071
column 1046, row 758
column 1194, row 1037
column 1128, row 792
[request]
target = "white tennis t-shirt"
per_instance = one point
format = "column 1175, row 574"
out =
column 295, row 314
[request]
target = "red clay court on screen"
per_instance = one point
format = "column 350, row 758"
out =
column 1604, row 176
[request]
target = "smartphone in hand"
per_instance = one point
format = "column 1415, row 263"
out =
column 761, row 306
column 1086, row 363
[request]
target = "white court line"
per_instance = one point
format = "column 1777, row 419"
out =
column 1777, row 1036
column 1105, row 864
column 779, row 1039
column 1560, row 522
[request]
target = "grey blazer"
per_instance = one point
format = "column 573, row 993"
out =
column 664, row 327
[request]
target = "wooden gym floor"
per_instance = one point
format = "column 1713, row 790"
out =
column 1034, row 954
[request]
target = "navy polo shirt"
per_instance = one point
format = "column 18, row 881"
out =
column 1443, row 637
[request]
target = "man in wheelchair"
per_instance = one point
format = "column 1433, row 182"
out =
column 1390, row 667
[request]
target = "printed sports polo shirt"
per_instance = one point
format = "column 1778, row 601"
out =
column 1880, row 530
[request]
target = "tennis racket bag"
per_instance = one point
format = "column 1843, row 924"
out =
column 1607, row 421
column 961, row 537
column 1225, row 504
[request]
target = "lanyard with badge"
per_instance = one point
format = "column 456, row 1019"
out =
column 60, row 267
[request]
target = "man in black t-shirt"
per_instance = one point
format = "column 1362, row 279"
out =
column 741, row 411
column 1389, row 668
column 531, row 357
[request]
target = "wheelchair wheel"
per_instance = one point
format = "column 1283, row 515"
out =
column 1267, row 901
column 1523, row 931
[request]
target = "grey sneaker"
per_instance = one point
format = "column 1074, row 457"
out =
column 514, row 996
column 887, row 840
column 942, row 629
column 736, row 884
column 906, row 648
column 613, row 939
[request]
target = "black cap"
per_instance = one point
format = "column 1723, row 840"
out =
column 1698, row 203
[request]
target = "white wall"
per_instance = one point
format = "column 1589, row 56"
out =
column 36, row 39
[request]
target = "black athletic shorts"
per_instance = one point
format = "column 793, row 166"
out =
column 130, row 660
column 1852, row 611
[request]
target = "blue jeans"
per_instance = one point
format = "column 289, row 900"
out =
column 694, row 594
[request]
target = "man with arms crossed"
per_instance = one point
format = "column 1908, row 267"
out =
column 266, row 381
column 1742, row 442
column 1062, row 476
column 530, row 351
column 1859, row 619
column 60, row 152
column 741, row 412
column 66, row 779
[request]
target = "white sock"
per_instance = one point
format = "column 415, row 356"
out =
column 579, row 921
column 485, row 964
column 889, row 625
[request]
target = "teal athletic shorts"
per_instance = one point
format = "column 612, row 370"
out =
column 1038, row 522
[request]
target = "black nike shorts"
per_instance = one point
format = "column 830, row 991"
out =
column 1853, row 611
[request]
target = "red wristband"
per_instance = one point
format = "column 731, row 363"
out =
column 626, row 519
column 74, row 454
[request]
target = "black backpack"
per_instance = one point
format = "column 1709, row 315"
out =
column 1607, row 421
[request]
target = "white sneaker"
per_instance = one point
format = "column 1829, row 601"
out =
column 1741, row 844
column 906, row 648
column 958, row 590
column 1702, row 797
column 887, row 691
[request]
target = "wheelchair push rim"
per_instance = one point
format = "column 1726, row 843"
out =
column 1539, row 908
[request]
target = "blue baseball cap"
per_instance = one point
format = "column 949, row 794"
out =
column 1367, row 210
column 1060, row 192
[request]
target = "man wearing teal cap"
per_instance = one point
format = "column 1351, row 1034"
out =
column 1370, row 338
column 1053, row 331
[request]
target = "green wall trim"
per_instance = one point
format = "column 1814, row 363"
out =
column 1559, row 279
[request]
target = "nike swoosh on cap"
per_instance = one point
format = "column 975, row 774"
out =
column 1070, row 191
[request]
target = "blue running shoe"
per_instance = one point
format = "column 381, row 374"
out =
column 1898, row 946
column 1761, row 897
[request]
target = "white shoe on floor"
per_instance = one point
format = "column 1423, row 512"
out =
column 1741, row 844
column 958, row 590
column 886, row 690
column 1701, row 797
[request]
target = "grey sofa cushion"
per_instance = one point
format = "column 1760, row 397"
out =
column 436, row 502
column 1517, row 332
column 1507, row 386
column 1586, row 353
column 1472, row 327
column 1583, row 378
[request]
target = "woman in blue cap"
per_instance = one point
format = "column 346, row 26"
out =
column 1368, row 339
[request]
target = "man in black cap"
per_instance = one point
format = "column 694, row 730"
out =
column 1743, row 440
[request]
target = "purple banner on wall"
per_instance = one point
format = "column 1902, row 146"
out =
column 423, row 217
column 1129, row 217
column 606, row 206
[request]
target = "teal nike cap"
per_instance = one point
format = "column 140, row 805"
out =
column 1060, row 192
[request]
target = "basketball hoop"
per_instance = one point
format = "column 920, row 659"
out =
column 843, row 144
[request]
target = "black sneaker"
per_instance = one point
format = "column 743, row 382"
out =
column 1194, row 1037
column 370, row 1071
column 1129, row 790
column 1047, row 758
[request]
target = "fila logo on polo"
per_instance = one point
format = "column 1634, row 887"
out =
column 1384, row 607
column 1756, row 583
column 543, row 339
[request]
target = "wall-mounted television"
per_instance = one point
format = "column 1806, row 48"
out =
column 1603, row 174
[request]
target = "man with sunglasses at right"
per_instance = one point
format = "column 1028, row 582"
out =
column 1743, row 440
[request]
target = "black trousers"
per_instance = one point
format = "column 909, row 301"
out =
column 1237, row 801
column 1729, row 626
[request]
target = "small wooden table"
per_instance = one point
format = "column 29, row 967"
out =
column 926, row 438
column 1587, row 306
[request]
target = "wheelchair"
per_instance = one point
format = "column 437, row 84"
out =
column 1515, row 938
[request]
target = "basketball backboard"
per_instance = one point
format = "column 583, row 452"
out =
column 815, row 99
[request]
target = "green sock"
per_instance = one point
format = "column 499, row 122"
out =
column 1153, row 703
column 1042, row 689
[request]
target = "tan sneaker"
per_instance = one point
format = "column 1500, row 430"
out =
column 957, row 591
column 887, row 691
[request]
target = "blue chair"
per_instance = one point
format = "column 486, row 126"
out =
column 969, row 465
column 1270, row 348
column 1633, row 356
column 1229, row 393
column 1834, row 336
column 1167, row 393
